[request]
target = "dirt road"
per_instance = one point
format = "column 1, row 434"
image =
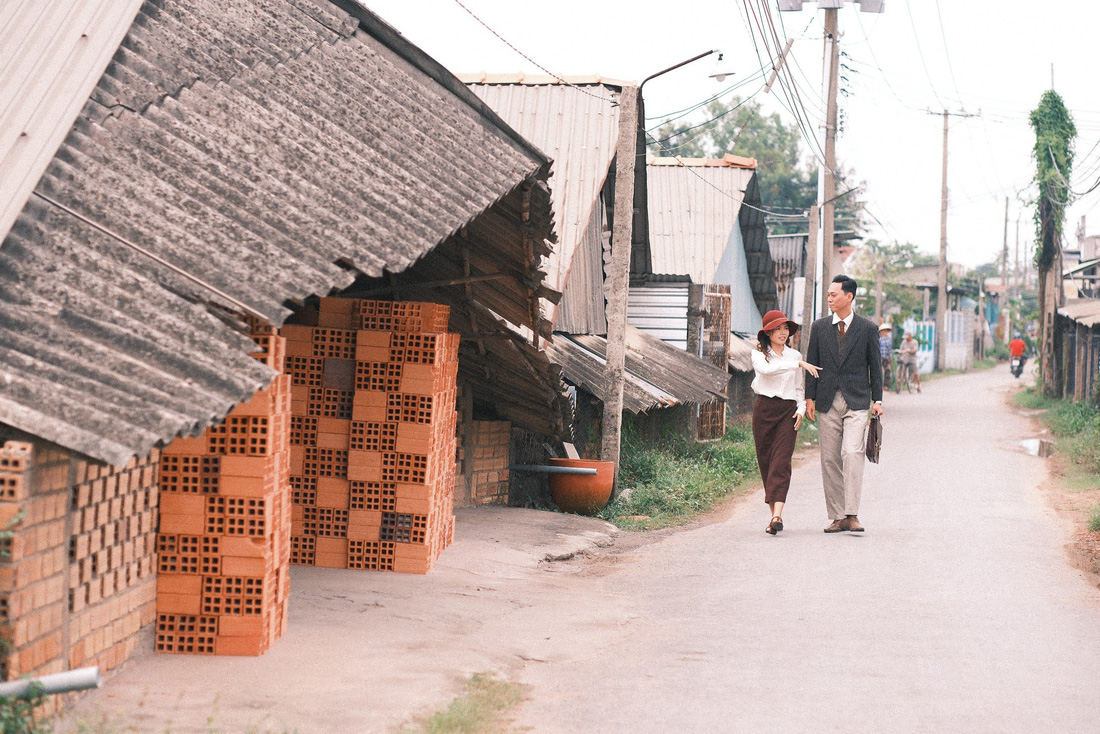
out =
column 955, row 611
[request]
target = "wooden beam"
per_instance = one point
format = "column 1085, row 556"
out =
column 626, row 154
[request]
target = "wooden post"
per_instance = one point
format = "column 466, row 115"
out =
column 618, row 276
column 1081, row 368
column 697, row 303
column 809, row 298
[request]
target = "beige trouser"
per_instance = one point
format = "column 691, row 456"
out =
column 841, row 436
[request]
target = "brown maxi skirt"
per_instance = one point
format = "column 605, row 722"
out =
column 774, row 433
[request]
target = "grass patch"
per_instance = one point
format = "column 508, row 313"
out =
column 671, row 480
column 1094, row 520
column 1075, row 425
column 481, row 709
column 1030, row 399
column 985, row 364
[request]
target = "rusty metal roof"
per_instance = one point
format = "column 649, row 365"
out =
column 693, row 212
column 1084, row 311
column 657, row 375
column 575, row 124
column 271, row 149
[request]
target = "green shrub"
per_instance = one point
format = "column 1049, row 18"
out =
column 1030, row 399
column 1094, row 521
column 671, row 480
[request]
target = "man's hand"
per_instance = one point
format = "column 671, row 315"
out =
column 876, row 409
column 811, row 412
column 797, row 420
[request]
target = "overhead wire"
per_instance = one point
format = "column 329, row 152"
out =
column 537, row 65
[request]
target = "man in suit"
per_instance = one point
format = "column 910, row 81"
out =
column 845, row 347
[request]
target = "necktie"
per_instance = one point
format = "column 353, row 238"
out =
column 840, row 324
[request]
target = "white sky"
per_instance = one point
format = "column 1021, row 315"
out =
column 990, row 56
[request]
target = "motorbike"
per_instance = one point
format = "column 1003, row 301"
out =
column 1016, row 365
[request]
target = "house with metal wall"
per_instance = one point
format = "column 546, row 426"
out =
column 170, row 168
column 575, row 121
column 707, row 230
column 1077, row 349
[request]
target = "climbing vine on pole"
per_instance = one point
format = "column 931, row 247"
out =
column 1053, row 151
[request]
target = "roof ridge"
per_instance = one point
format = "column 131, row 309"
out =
column 529, row 79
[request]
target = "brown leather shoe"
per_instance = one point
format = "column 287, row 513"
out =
column 852, row 524
column 837, row 526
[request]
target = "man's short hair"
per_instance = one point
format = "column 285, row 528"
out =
column 848, row 284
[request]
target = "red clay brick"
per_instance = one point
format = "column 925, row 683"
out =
column 251, row 645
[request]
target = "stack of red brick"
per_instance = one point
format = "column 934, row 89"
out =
column 372, row 435
column 224, row 541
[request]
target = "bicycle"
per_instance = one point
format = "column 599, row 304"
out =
column 906, row 376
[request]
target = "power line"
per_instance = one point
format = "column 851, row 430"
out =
column 916, row 38
column 537, row 65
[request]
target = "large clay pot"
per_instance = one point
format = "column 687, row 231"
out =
column 584, row 494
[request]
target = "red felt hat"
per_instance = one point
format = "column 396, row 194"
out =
column 775, row 319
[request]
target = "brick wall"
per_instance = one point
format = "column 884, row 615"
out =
column 487, row 451
column 76, row 568
column 372, row 439
column 224, row 542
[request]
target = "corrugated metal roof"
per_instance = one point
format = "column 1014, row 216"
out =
column 1085, row 311
column 53, row 54
column 577, row 126
column 583, row 307
column 254, row 144
column 658, row 375
column 692, row 213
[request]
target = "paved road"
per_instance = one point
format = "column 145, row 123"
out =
column 956, row 611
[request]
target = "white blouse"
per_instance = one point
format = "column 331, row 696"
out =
column 780, row 376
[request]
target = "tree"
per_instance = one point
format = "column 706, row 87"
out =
column 879, row 262
column 787, row 184
column 1053, row 152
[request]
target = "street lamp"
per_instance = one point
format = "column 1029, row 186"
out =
column 631, row 139
column 722, row 68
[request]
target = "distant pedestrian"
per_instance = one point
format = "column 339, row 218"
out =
column 846, row 347
column 778, row 409
column 886, row 350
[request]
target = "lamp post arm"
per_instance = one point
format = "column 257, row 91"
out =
column 676, row 66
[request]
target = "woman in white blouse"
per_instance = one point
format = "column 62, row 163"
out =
column 779, row 408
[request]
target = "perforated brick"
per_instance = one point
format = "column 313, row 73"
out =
column 373, row 496
column 373, row 436
column 370, row 555
column 303, row 490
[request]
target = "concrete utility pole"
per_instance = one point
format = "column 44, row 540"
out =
column 941, row 291
column 618, row 277
column 1016, row 279
column 830, row 260
column 809, row 298
column 1004, row 281
column 941, row 294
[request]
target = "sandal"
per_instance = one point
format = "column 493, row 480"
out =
column 774, row 526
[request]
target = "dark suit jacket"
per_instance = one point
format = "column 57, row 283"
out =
column 855, row 370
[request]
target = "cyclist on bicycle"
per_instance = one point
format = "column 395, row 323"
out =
column 886, row 351
column 907, row 355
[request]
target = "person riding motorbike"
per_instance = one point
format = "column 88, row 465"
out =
column 1016, row 349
